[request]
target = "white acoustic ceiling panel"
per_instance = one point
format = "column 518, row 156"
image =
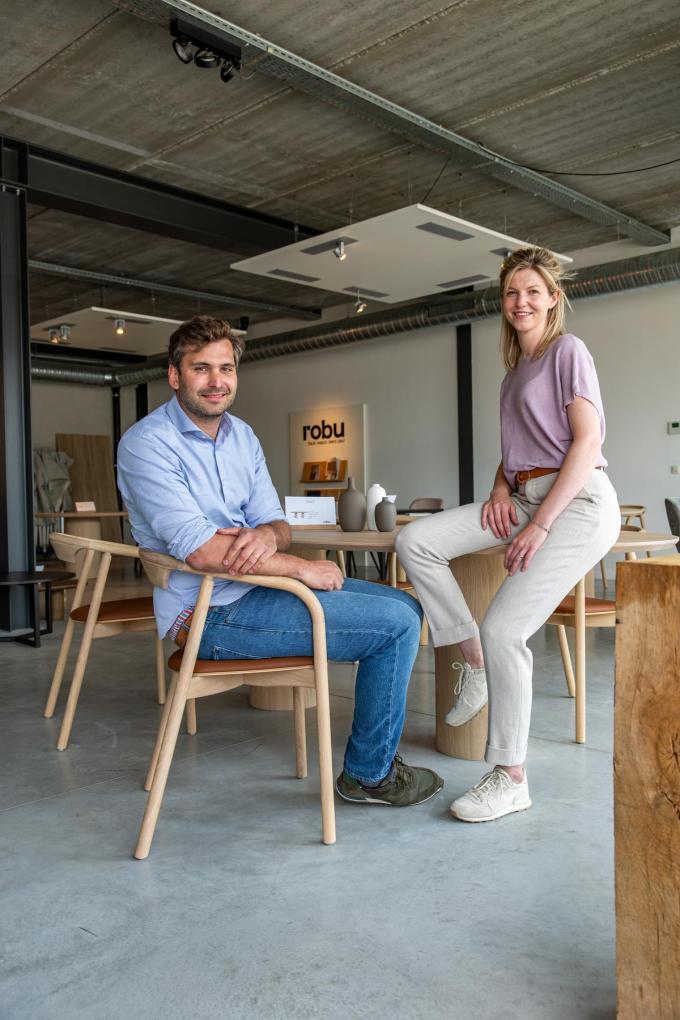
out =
column 398, row 256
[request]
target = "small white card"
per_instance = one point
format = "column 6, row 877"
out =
column 84, row 507
column 310, row 509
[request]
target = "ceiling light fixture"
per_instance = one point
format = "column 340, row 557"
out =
column 54, row 335
column 193, row 42
column 64, row 332
column 120, row 326
column 339, row 251
column 182, row 47
column 206, row 58
column 360, row 306
column 227, row 70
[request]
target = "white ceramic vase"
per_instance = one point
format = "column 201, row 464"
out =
column 375, row 494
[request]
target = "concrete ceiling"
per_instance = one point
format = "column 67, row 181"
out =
column 580, row 86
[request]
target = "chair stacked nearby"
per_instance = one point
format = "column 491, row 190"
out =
column 673, row 515
column 591, row 612
column 196, row 678
column 99, row 619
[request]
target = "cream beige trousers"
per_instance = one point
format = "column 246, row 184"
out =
column 578, row 538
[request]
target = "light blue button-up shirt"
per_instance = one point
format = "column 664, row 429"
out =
column 180, row 486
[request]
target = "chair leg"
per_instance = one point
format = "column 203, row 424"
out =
column 161, row 732
column 192, row 725
column 341, row 562
column 160, row 670
column 580, row 685
column 566, row 659
column 153, row 804
column 603, row 574
column 424, row 632
column 51, row 702
column 323, row 725
column 300, row 732
column 74, row 690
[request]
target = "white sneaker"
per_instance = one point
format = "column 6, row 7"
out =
column 494, row 795
column 471, row 693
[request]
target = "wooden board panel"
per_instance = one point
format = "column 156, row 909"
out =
column 647, row 790
column 92, row 476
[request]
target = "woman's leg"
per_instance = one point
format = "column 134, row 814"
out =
column 425, row 549
column 579, row 537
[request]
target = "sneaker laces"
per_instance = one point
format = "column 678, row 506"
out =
column 404, row 773
column 458, row 686
column 489, row 782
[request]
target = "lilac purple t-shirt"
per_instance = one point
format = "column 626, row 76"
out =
column 535, row 430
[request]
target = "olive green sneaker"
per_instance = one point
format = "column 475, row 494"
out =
column 405, row 785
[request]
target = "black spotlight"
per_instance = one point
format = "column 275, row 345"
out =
column 227, row 70
column 182, row 47
column 206, row 58
column 244, row 322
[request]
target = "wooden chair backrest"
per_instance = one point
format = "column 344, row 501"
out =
column 67, row 547
column 426, row 503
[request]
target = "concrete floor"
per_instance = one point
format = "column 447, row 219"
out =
column 241, row 913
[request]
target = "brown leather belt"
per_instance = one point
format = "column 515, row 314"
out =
column 523, row 476
column 182, row 634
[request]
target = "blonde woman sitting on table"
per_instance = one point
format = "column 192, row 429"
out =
column 551, row 503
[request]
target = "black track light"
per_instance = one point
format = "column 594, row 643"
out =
column 182, row 47
column 206, row 58
column 227, row 70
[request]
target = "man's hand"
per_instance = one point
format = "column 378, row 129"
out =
column 499, row 513
column 321, row 574
column 523, row 548
column 249, row 548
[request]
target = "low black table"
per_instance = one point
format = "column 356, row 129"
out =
column 20, row 578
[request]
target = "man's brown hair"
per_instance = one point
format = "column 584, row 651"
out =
column 197, row 333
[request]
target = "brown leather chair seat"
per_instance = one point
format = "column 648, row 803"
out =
column 120, row 611
column 593, row 605
column 239, row 665
column 401, row 585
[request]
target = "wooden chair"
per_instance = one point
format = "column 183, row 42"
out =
column 431, row 503
column 628, row 511
column 580, row 612
column 100, row 619
column 197, row 678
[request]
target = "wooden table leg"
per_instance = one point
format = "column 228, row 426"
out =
column 479, row 575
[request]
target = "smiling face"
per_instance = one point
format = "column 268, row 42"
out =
column 526, row 304
column 205, row 383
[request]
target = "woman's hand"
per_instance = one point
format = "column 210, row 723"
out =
column 499, row 513
column 523, row 548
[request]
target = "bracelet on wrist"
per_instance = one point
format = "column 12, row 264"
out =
column 542, row 526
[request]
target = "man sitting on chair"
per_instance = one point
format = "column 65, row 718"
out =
column 196, row 486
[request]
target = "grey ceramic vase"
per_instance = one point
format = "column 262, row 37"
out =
column 352, row 508
column 385, row 515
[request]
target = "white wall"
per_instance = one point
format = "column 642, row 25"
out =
column 633, row 338
column 70, row 408
column 408, row 383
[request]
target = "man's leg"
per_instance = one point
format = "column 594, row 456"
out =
column 374, row 624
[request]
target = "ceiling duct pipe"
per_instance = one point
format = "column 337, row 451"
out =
column 595, row 281
column 51, row 372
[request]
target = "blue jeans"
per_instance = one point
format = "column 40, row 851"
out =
column 376, row 624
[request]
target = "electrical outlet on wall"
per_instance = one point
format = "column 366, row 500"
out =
column 673, row 428
column 675, row 469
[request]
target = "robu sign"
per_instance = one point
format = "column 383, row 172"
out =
column 324, row 430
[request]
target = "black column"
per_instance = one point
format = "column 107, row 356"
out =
column 466, row 480
column 141, row 400
column 17, row 549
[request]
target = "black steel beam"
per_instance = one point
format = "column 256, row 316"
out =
column 89, row 189
column 141, row 401
column 17, row 548
column 466, row 478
